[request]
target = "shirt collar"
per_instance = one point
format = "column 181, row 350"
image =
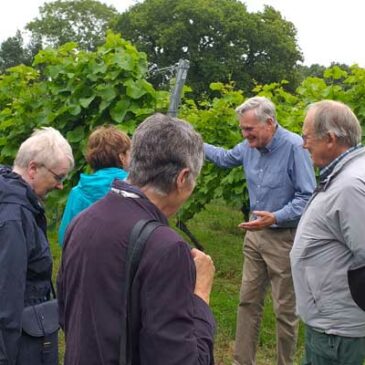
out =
column 274, row 142
column 327, row 170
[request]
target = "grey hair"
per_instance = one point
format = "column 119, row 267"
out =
column 263, row 107
column 161, row 147
column 335, row 117
column 45, row 146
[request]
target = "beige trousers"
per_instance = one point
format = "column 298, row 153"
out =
column 266, row 260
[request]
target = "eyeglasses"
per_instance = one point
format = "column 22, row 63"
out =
column 59, row 178
column 308, row 137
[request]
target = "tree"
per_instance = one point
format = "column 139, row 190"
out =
column 222, row 40
column 273, row 52
column 13, row 52
column 82, row 21
column 314, row 70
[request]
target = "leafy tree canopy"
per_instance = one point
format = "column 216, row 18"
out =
column 13, row 52
column 220, row 38
column 82, row 21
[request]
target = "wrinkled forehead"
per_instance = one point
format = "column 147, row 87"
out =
column 249, row 119
column 308, row 122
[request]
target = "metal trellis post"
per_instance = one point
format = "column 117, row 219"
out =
column 182, row 72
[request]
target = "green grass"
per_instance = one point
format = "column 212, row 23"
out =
column 56, row 254
column 216, row 228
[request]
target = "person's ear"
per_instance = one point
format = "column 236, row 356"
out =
column 331, row 139
column 124, row 159
column 32, row 169
column 121, row 158
column 182, row 178
column 270, row 122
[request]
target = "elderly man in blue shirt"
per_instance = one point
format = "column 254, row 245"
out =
column 280, row 181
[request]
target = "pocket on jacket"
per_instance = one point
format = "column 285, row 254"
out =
column 38, row 350
column 320, row 288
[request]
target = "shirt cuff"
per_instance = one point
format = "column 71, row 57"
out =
column 203, row 313
column 280, row 217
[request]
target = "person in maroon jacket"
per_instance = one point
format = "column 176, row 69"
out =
column 176, row 324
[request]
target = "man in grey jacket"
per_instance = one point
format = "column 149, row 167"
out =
column 330, row 240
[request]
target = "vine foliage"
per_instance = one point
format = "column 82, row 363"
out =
column 75, row 91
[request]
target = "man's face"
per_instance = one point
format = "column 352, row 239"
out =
column 258, row 134
column 317, row 147
column 46, row 179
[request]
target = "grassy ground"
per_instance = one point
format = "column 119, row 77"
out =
column 216, row 228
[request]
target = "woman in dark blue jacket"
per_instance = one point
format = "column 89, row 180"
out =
column 42, row 162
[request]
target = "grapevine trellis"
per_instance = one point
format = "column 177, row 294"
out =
column 178, row 72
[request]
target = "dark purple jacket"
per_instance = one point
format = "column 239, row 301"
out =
column 177, row 327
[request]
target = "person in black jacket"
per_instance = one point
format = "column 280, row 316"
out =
column 41, row 164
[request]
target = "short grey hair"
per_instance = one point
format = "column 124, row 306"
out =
column 161, row 147
column 335, row 117
column 45, row 146
column 264, row 108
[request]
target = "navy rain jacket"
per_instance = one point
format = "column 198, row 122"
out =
column 25, row 259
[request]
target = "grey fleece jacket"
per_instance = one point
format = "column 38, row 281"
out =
column 330, row 240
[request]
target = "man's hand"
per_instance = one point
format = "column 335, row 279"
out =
column 264, row 219
column 204, row 274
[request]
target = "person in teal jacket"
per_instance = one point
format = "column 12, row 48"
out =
column 107, row 154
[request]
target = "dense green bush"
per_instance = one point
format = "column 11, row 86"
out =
column 75, row 91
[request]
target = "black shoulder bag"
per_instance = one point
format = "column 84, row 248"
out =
column 130, row 326
column 39, row 339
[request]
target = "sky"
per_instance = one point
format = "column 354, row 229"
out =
column 327, row 31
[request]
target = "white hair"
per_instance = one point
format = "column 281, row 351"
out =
column 161, row 147
column 263, row 107
column 45, row 146
column 335, row 117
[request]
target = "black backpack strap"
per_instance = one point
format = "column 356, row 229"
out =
column 130, row 325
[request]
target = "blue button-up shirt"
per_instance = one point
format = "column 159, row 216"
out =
column 280, row 176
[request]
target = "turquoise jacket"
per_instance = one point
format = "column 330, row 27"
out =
column 89, row 189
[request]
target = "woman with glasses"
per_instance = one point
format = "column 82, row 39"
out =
column 28, row 333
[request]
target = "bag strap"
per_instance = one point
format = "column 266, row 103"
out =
column 53, row 290
column 136, row 243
